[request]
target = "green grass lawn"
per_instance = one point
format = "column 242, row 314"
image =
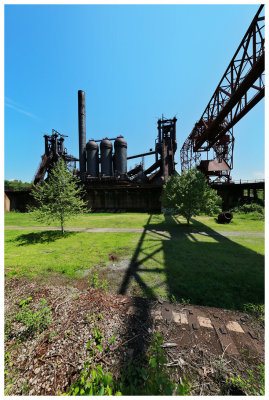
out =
column 140, row 220
column 30, row 253
column 210, row 270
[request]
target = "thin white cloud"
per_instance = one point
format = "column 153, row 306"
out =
column 258, row 175
column 17, row 107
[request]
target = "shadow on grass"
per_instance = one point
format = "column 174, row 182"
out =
column 199, row 264
column 207, row 269
column 215, row 271
column 41, row 237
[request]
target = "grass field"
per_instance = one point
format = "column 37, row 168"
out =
column 141, row 220
column 210, row 269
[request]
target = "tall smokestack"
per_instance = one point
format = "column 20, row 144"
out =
column 82, row 132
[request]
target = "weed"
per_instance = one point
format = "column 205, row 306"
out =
column 152, row 378
column 185, row 301
column 68, row 333
column 8, row 363
column 25, row 387
column 249, row 208
column 250, row 385
column 52, row 335
column 93, row 381
column 8, row 323
column 26, row 301
column 76, row 297
column 34, row 321
column 257, row 310
column 173, row 298
column 96, row 283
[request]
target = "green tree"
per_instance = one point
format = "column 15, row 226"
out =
column 59, row 198
column 17, row 185
column 190, row 195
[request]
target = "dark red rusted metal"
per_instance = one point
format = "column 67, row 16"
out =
column 240, row 89
column 225, row 217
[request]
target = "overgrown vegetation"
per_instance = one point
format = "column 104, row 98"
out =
column 93, row 381
column 251, row 385
column 257, row 310
column 152, row 376
column 253, row 210
column 96, row 282
column 34, row 321
column 189, row 195
column 149, row 376
column 59, row 198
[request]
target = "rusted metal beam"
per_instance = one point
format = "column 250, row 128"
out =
column 142, row 155
column 232, row 99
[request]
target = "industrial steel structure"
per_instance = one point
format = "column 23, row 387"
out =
column 103, row 170
column 240, row 89
column 54, row 149
column 103, row 162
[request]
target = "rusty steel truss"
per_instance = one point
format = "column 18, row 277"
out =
column 240, row 89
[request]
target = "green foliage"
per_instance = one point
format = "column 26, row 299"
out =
column 96, row 283
column 153, row 378
column 251, row 386
column 93, row 381
column 59, row 198
column 26, row 301
column 190, row 195
column 254, row 208
column 17, row 185
column 255, row 309
column 35, row 321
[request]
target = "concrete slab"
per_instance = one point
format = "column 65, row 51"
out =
column 205, row 322
column 234, row 326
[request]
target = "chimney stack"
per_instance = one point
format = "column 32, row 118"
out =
column 82, row 132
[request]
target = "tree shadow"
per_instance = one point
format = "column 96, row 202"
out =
column 27, row 239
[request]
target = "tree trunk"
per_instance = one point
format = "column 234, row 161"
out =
column 62, row 226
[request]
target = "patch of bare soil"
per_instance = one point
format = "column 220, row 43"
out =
column 204, row 344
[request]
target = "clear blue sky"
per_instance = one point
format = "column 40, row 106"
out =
column 135, row 63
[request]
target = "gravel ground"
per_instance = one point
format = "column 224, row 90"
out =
column 49, row 362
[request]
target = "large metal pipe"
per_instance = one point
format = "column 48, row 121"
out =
column 82, row 133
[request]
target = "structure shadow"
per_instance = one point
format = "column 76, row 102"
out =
column 210, row 269
column 27, row 239
column 201, row 266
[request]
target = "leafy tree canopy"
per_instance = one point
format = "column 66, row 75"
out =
column 59, row 198
column 17, row 185
column 190, row 195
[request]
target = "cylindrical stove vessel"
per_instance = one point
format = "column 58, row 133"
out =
column 120, row 146
column 82, row 132
column 92, row 150
column 106, row 157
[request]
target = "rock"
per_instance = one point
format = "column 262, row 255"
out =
column 37, row 370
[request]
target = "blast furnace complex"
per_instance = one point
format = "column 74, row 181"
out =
column 103, row 163
column 103, row 166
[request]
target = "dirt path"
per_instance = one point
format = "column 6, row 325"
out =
column 139, row 230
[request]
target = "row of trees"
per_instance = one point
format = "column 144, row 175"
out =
column 61, row 196
column 17, row 185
